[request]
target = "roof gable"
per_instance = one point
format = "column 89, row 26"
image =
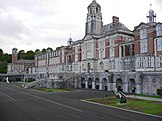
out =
column 140, row 26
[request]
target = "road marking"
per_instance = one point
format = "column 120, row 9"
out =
column 69, row 107
column 121, row 109
column 7, row 96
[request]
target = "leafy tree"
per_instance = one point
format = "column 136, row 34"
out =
column 21, row 54
column 1, row 52
column 43, row 50
column 37, row 51
column 7, row 58
column 49, row 48
column 29, row 55
column 3, row 67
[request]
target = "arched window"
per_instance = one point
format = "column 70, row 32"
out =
column 101, row 65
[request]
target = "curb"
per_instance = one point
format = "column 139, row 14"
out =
column 121, row 109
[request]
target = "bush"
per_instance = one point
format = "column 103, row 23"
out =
column 159, row 91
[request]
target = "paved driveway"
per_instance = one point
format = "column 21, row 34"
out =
column 18, row 104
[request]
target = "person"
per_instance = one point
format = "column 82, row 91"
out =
column 7, row 80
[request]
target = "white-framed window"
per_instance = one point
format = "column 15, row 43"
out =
column 144, row 45
column 111, row 42
column 143, row 33
column 150, row 62
column 112, row 52
column 159, row 30
column 112, row 48
column 101, row 49
column 140, row 62
column 159, row 45
column 159, row 61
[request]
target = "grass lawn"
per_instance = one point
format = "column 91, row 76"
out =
column 52, row 90
column 145, row 106
column 160, row 97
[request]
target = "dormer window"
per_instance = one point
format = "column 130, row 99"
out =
column 143, row 33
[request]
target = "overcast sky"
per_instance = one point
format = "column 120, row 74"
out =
column 38, row 24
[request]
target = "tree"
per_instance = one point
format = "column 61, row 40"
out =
column 29, row 55
column 1, row 52
column 21, row 54
column 37, row 51
column 43, row 50
column 49, row 48
column 3, row 67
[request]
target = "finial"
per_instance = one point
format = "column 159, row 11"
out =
column 150, row 6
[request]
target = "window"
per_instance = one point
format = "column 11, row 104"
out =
column 140, row 62
column 111, row 51
column 159, row 45
column 144, row 45
column 101, row 50
column 159, row 30
column 101, row 65
column 111, row 48
column 159, row 61
column 111, row 43
column 143, row 33
column 150, row 61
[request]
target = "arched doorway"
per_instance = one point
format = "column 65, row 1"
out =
column 119, row 84
column 83, row 83
column 104, row 82
column 97, row 83
column 131, row 85
column 90, row 83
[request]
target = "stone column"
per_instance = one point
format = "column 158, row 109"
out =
column 101, row 86
column 113, row 86
column 86, row 84
column 109, row 86
column 93, row 85
column 76, row 82
column 125, row 87
column 138, row 88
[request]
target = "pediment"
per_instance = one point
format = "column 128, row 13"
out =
column 141, row 26
column 87, row 37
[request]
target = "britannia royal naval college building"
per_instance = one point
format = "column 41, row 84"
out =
column 109, row 56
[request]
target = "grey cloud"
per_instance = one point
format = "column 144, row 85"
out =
column 11, row 26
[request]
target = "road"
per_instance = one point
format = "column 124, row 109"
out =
column 18, row 104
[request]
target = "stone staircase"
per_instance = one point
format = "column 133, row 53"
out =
column 34, row 83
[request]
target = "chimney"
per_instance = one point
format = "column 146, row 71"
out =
column 14, row 55
column 115, row 21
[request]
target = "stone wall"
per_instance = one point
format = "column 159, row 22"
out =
column 151, row 82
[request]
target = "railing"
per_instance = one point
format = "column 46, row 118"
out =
column 127, row 63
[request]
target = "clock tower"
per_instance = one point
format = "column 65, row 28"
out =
column 94, row 19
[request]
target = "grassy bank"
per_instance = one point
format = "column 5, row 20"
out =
column 153, row 96
column 145, row 106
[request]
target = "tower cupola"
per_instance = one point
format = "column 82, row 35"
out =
column 151, row 17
